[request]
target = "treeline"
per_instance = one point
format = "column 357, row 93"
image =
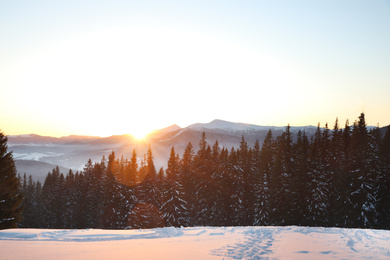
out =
column 339, row 177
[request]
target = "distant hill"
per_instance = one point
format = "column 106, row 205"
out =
column 37, row 155
column 38, row 170
column 230, row 126
column 33, row 138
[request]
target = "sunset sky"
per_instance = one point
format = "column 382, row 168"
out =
column 117, row 67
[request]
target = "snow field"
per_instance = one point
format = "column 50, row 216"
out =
column 197, row 243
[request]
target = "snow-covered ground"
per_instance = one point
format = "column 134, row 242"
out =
column 34, row 156
column 196, row 243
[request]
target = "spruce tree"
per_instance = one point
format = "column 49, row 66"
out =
column 245, row 185
column 345, row 208
column 53, row 199
column 94, row 193
column 363, row 176
column 10, row 194
column 317, row 192
column 202, row 183
column 175, row 207
column 226, row 215
column 300, row 179
column 234, row 189
column 153, row 193
column 81, row 192
column 132, row 170
column 30, row 204
column 282, row 207
column 71, row 200
column 336, row 187
column 376, row 166
column 149, row 212
column 217, row 211
column 383, row 181
column 187, row 168
column 265, row 158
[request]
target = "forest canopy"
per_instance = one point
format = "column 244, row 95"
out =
column 339, row 177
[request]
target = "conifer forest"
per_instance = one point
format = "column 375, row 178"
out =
column 340, row 177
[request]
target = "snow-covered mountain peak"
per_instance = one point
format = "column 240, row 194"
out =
column 164, row 131
column 171, row 128
column 226, row 125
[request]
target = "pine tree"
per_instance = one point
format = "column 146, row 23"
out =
column 70, row 194
column 10, row 194
column 327, row 177
column 175, row 207
column 187, row 168
column 149, row 212
column 245, row 183
column 281, row 181
column 132, row 170
column 81, row 193
column 203, row 184
column 345, row 207
column 111, row 200
column 376, row 166
column 383, row 180
column 94, row 193
column 226, row 215
column 217, row 204
column 264, row 159
column 233, row 189
column 151, row 181
column 29, row 215
column 300, row 179
column 53, row 199
column 32, row 206
column 363, row 178
column 336, row 165
column 317, row 191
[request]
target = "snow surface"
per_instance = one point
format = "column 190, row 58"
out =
column 196, row 243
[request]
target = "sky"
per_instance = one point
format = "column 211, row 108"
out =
column 115, row 67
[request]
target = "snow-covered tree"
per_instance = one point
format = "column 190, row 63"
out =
column 383, row 180
column 203, row 184
column 148, row 211
column 245, row 183
column 10, row 195
column 363, row 175
column 264, row 161
column 300, row 179
column 281, row 179
column 175, row 207
column 188, row 179
column 316, row 197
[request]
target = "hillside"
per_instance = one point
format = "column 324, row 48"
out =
column 36, row 169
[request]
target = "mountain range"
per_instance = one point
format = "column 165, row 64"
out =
column 36, row 155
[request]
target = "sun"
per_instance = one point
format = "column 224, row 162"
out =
column 139, row 134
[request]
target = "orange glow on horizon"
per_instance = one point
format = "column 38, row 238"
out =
column 139, row 134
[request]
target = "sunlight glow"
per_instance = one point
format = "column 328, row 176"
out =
column 147, row 76
column 139, row 133
column 103, row 68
